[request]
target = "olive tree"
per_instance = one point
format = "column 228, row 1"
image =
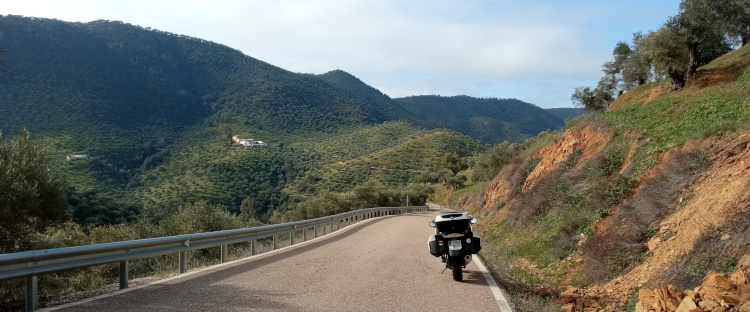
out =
column 736, row 17
column 668, row 55
column 697, row 23
column 31, row 198
column 637, row 69
column 597, row 99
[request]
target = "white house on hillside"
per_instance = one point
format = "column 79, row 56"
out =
column 72, row 157
column 248, row 142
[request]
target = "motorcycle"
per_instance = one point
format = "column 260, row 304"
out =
column 454, row 242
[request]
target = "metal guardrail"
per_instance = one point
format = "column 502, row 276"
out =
column 30, row 264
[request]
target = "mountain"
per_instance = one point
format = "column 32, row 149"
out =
column 566, row 112
column 128, row 77
column 386, row 108
column 152, row 110
column 489, row 120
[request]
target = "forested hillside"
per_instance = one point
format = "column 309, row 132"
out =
column 489, row 120
column 566, row 112
column 386, row 107
column 154, row 113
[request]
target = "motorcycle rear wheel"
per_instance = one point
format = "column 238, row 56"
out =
column 457, row 268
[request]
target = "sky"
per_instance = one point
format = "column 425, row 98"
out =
column 533, row 50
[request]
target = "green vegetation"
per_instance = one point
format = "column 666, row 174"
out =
column 488, row 120
column 566, row 113
column 588, row 209
column 191, row 218
column 155, row 112
column 699, row 33
column 31, row 198
column 488, row 164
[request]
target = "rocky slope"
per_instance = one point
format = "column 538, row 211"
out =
column 651, row 192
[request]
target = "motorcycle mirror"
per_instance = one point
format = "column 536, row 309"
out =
column 432, row 223
column 473, row 220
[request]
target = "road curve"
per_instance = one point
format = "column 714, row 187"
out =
column 381, row 264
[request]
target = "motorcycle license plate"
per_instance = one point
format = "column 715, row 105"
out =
column 454, row 245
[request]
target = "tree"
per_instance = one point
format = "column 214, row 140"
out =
column 200, row 217
column 31, row 198
column 456, row 182
column 595, row 100
column 697, row 21
column 737, row 12
column 488, row 164
column 225, row 134
column 613, row 69
column 637, row 70
column 451, row 161
column 668, row 55
column 247, row 209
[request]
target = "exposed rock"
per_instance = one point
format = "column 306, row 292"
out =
column 718, row 292
column 569, row 307
column 639, row 307
column 713, row 283
column 708, row 305
column 687, row 305
column 742, row 281
column 590, row 141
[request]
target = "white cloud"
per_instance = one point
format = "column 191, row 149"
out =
column 401, row 47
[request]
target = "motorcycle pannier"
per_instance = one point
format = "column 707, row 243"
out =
column 437, row 245
column 475, row 246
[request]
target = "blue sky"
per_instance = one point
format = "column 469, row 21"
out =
column 535, row 51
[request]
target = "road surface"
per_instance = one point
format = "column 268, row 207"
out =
column 380, row 264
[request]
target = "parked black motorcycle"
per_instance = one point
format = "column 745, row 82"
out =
column 454, row 242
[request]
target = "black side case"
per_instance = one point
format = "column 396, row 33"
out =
column 437, row 245
column 476, row 244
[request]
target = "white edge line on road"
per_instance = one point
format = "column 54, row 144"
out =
column 199, row 270
column 502, row 303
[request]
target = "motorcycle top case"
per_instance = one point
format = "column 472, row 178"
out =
column 437, row 245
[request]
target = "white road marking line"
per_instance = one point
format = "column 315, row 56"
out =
column 502, row 303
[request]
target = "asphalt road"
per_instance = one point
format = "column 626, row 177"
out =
column 381, row 264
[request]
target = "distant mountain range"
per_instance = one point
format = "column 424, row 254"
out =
column 146, row 106
column 488, row 120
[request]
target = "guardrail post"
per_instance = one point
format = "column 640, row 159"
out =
column 304, row 234
column 291, row 238
column 183, row 261
column 123, row 274
column 275, row 242
column 315, row 230
column 254, row 247
column 224, row 252
column 32, row 293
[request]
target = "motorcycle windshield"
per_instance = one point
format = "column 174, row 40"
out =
column 453, row 226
